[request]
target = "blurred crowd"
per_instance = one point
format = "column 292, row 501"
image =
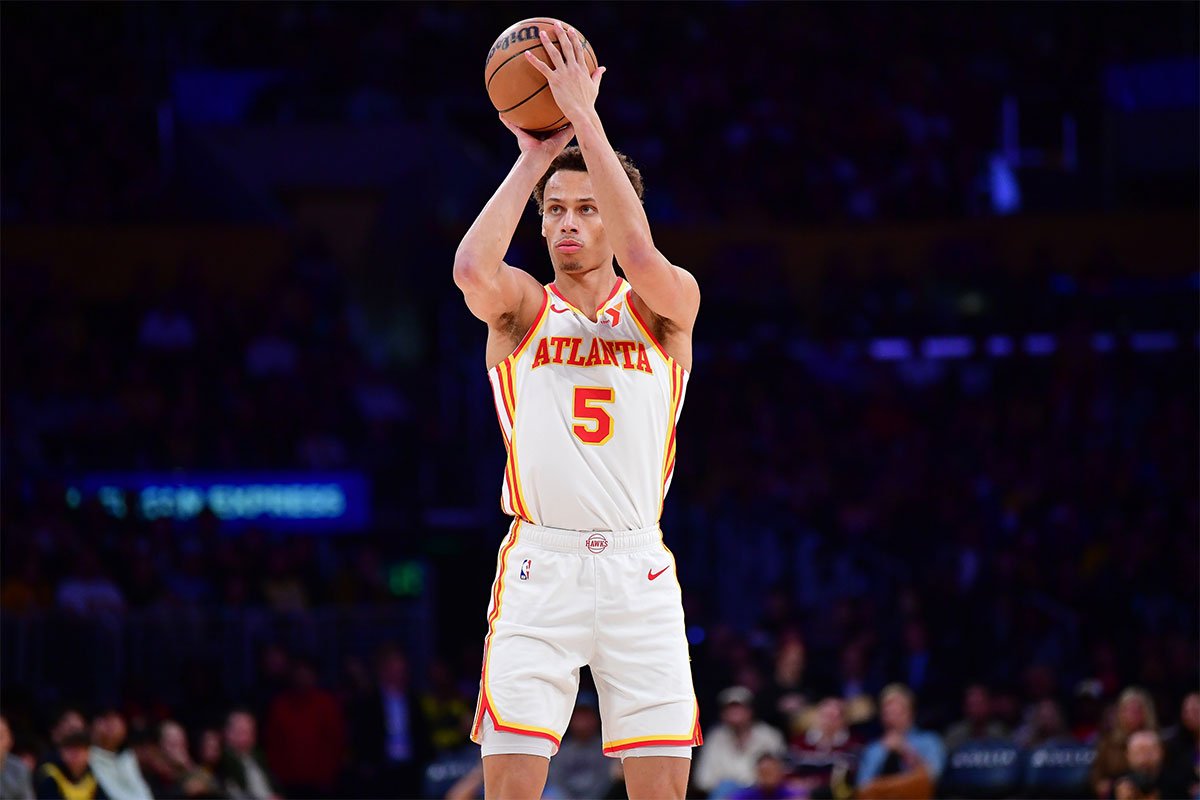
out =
column 910, row 132
column 1010, row 538
column 378, row 736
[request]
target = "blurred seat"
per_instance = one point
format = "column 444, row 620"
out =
column 1059, row 770
column 988, row 768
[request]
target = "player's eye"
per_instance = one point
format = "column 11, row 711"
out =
column 588, row 209
column 555, row 209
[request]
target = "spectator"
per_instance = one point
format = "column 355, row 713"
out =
column 305, row 735
column 1135, row 712
column 1181, row 775
column 770, row 781
column 443, row 706
column 68, row 721
column 580, row 770
column 1143, row 781
column 68, row 776
column 115, row 767
column 825, row 755
column 784, row 698
column 905, row 762
column 208, row 753
column 242, row 770
column 1086, row 710
column 1045, row 724
column 387, row 730
column 977, row 721
column 728, row 761
column 15, row 779
column 187, row 779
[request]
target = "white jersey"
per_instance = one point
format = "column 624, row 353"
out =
column 588, row 413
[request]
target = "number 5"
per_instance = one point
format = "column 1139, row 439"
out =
column 584, row 397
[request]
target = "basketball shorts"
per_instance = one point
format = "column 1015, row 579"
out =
column 563, row 599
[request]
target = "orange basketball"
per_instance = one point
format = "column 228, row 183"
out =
column 516, row 88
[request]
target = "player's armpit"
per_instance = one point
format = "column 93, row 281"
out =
column 669, row 291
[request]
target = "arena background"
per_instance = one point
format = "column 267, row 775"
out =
column 941, row 430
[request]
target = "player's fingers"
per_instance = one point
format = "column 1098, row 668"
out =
column 577, row 40
column 597, row 75
column 555, row 57
column 564, row 41
column 538, row 64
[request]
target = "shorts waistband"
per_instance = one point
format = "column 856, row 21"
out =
column 592, row 542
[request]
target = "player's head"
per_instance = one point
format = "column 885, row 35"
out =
column 571, row 222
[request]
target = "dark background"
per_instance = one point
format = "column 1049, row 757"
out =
column 227, row 239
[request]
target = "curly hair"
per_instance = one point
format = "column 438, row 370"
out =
column 571, row 160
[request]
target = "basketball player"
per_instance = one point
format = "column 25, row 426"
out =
column 588, row 374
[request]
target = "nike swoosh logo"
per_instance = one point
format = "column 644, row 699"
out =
column 652, row 575
column 557, row 310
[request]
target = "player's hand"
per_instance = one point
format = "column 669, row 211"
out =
column 548, row 147
column 573, row 87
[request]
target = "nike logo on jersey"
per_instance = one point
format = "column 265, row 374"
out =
column 651, row 574
column 558, row 310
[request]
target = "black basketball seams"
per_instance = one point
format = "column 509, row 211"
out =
column 545, row 86
column 488, row 85
column 547, row 128
column 587, row 47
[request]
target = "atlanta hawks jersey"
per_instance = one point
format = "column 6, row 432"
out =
column 588, row 413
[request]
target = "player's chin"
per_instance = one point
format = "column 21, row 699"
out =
column 571, row 266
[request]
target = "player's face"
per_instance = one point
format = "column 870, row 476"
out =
column 571, row 223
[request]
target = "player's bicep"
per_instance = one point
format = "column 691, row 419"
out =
column 669, row 291
column 498, row 294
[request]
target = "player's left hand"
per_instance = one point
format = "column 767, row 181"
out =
column 574, row 89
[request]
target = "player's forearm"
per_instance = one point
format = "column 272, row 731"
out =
column 482, row 249
column 624, row 218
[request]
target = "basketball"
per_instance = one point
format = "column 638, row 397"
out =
column 515, row 87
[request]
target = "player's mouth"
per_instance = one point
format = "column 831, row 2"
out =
column 569, row 246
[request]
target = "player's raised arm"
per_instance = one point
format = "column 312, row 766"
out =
column 494, row 291
column 668, row 291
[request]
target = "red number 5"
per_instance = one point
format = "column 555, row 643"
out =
column 603, row 430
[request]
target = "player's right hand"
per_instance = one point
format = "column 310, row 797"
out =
column 549, row 147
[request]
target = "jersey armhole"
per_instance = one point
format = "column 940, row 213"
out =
column 533, row 329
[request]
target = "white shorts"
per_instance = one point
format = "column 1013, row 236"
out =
column 563, row 599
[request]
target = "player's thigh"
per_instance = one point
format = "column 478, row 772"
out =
column 512, row 776
column 656, row 777
column 640, row 661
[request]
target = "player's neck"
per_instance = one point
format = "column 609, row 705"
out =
column 586, row 290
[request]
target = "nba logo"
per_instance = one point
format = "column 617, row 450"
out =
column 526, row 568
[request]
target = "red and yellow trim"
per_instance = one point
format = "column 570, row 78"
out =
column 512, row 472
column 486, row 705
column 533, row 329
column 508, row 395
column 615, row 291
column 677, row 383
column 645, row 329
column 693, row 739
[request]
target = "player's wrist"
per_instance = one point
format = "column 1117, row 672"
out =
column 588, row 122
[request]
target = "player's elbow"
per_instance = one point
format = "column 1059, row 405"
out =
column 642, row 257
column 468, row 272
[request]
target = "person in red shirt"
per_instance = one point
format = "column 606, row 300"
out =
column 305, row 736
